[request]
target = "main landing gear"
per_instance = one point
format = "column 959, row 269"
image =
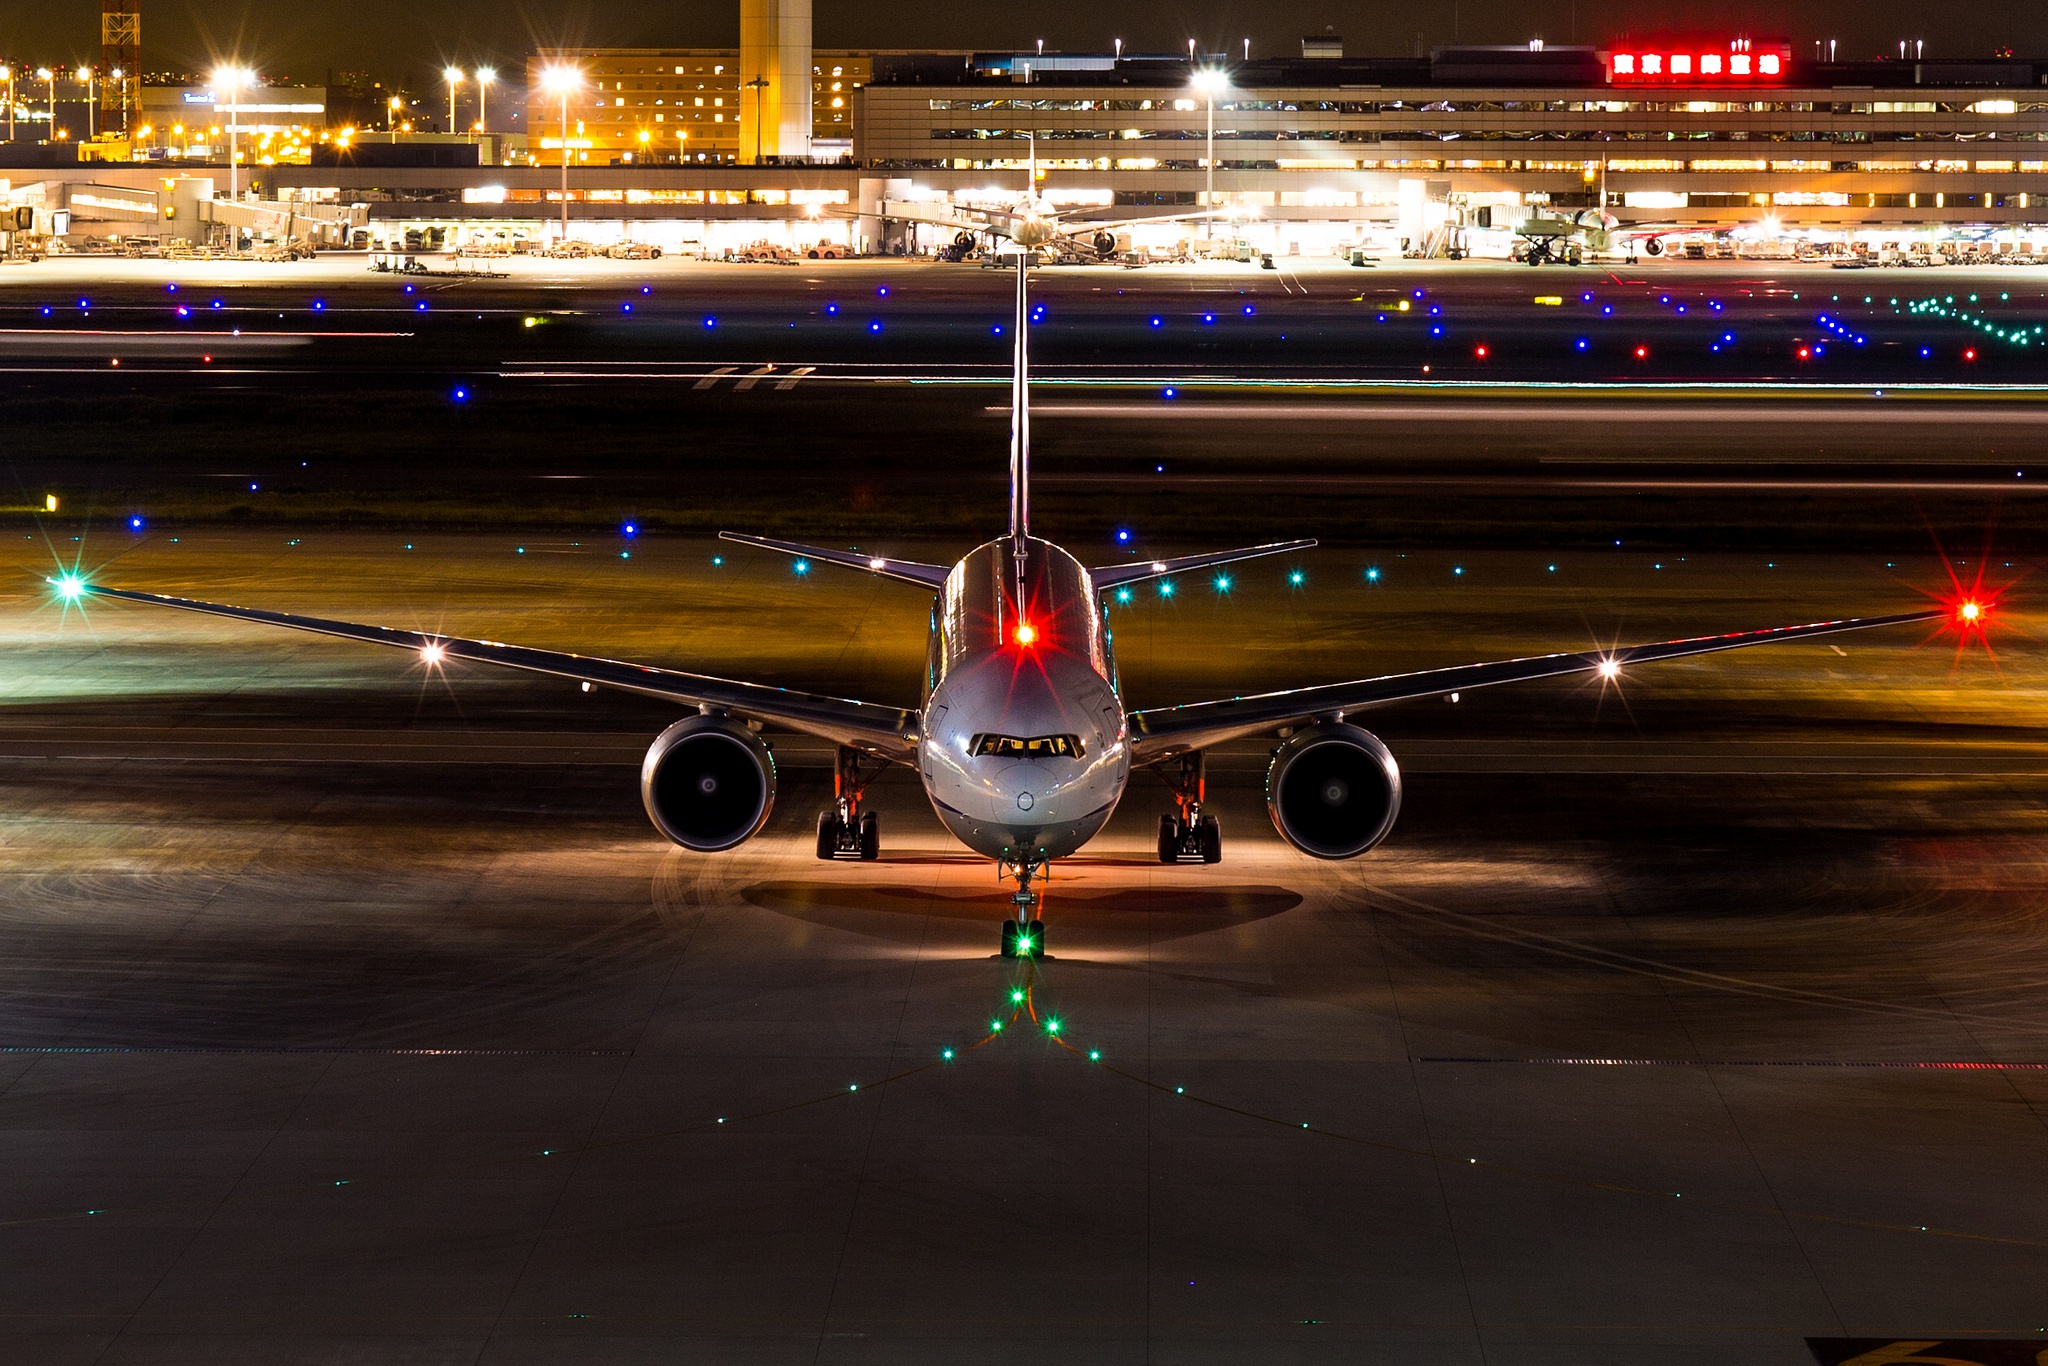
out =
column 1024, row 937
column 1188, row 834
column 844, row 830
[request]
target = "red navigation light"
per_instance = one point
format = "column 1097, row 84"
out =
column 1970, row 612
column 1805, row 353
column 1026, row 633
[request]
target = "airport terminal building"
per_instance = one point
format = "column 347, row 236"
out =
column 1304, row 154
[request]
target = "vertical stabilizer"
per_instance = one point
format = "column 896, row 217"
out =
column 1020, row 408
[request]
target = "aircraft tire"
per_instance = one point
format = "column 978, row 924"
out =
column 1169, row 840
column 1009, row 939
column 870, row 837
column 828, row 835
column 1209, row 832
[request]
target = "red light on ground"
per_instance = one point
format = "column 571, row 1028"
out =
column 1026, row 633
column 1642, row 353
column 1805, row 353
column 1479, row 351
column 1970, row 353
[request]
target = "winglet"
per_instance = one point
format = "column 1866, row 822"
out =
column 909, row 571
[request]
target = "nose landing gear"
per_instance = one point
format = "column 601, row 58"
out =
column 1024, row 937
column 844, row 830
column 1189, row 834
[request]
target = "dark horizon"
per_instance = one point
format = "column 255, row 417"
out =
column 396, row 42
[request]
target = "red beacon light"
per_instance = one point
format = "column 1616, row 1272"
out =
column 1027, row 634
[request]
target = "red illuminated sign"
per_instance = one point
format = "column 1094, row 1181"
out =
column 1743, row 61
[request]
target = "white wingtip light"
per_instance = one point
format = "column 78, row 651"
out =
column 1610, row 668
column 433, row 653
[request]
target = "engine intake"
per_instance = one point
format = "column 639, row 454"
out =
column 708, row 783
column 1334, row 791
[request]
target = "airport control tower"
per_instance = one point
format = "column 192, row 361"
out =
column 775, row 79
column 120, row 64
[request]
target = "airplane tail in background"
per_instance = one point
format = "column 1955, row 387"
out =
column 1020, row 407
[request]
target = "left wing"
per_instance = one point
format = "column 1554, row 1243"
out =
column 1162, row 732
column 890, row 732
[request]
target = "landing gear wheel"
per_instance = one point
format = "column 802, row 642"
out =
column 1169, row 839
column 1009, row 939
column 870, row 837
column 828, row 835
column 1209, row 834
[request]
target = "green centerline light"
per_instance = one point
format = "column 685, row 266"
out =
column 1052, row 1024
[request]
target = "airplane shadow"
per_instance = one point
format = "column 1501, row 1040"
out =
column 1102, row 920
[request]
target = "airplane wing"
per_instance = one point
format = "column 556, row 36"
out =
column 889, row 732
column 1111, row 575
column 1162, row 732
column 931, row 576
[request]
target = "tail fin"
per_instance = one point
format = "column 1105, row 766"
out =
column 1020, row 409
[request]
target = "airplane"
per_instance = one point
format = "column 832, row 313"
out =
column 1022, row 740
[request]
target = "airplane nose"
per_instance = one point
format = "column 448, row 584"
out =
column 1019, row 790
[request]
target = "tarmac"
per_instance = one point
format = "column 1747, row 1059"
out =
column 352, row 1012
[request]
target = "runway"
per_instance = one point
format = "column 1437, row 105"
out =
column 348, row 1011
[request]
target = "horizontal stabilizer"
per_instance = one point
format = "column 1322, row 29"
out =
column 909, row 571
column 1110, row 575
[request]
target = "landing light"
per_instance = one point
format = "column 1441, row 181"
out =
column 433, row 652
column 877, row 562
column 1610, row 668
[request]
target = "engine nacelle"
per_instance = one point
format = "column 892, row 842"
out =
column 708, row 783
column 1334, row 791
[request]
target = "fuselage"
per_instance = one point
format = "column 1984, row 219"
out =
column 1024, row 750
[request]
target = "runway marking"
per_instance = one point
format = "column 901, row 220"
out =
column 1754, row 1062
column 289, row 1051
column 752, row 379
column 796, row 375
column 714, row 377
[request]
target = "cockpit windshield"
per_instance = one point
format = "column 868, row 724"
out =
column 1026, row 747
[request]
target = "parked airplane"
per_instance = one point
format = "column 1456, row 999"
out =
column 1023, row 741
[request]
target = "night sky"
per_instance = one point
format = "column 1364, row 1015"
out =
column 400, row 39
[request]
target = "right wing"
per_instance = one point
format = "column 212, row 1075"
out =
column 1162, row 732
column 931, row 576
column 890, row 732
column 1131, row 571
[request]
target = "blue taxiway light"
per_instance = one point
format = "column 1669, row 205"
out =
column 135, row 524
column 1607, row 310
column 997, row 329
column 319, row 305
column 647, row 289
column 1159, row 322
column 1581, row 344
column 831, row 310
column 46, row 311
column 882, row 292
column 171, row 287
column 710, row 321
column 1171, row 392
column 629, row 529
column 875, row 325
column 1372, row 575
column 1123, row 534
column 717, row 561
column 421, row 306
column 1248, row 310
column 85, row 303
column 1208, row 317
column 461, row 395
column 625, row 308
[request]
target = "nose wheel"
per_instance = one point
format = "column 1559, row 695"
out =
column 1024, row 937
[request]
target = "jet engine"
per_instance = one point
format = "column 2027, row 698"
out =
column 1334, row 791
column 708, row 783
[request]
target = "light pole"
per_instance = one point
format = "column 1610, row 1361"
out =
column 1209, row 80
column 452, row 75
column 759, row 85
column 484, row 76
column 120, row 79
column 562, row 78
column 84, row 75
column 7, row 74
column 49, row 78
column 391, row 108
column 233, row 78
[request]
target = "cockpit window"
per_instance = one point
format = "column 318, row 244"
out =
column 1026, row 747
